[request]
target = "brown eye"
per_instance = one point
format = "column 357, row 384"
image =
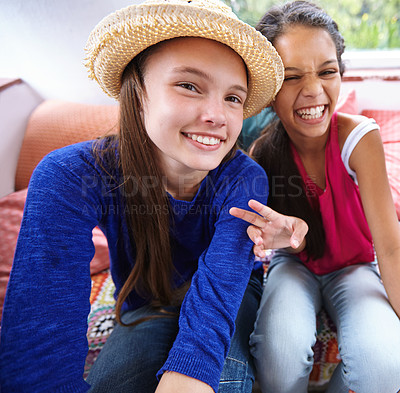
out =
column 187, row 86
column 290, row 78
column 234, row 99
column 328, row 72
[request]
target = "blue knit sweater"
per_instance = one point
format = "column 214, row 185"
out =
column 43, row 336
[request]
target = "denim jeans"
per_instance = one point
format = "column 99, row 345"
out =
column 132, row 356
column 285, row 331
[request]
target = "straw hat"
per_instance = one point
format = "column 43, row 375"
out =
column 119, row 37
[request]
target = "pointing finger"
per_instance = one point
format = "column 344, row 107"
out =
column 265, row 211
column 250, row 217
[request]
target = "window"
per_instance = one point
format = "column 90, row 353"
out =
column 371, row 28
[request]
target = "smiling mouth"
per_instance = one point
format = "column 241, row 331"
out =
column 205, row 140
column 314, row 112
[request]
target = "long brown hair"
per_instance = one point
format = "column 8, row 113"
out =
column 272, row 150
column 142, row 186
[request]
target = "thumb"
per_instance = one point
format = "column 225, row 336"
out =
column 300, row 230
column 294, row 242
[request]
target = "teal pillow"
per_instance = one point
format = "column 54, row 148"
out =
column 253, row 126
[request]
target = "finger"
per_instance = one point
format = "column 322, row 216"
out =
column 264, row 210
column 250, row 217
column 255, row 235
column 294, row 242
column 259, row 251
column 300, row 229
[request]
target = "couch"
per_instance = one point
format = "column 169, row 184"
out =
column 54, row 124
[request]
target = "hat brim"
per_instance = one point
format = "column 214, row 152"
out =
column 118, row 38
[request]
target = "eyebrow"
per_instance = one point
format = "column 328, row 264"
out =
column 324, row 64
column 205, row 75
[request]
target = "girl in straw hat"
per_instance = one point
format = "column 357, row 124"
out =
column 338, row 160
column 185, row 73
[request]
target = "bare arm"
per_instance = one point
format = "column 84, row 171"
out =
column 271, row 230
column 172, row 382
column 368, row 161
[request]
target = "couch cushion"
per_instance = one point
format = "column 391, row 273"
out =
column 389, row 121
column 54, row 124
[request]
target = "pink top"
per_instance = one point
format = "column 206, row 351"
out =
column 348, row 238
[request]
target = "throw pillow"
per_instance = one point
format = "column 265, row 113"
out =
column 389, row 122
column 54, row 124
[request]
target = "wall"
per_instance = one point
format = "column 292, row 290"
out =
column 42, row 41
column 375, row 94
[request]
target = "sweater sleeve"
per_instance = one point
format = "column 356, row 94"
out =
column 208, row 313
column 44, row 324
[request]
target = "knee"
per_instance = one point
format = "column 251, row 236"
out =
column 375, row 368
column 283, row 344
column 283, row 364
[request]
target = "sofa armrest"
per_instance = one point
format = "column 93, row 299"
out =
column 17, row 101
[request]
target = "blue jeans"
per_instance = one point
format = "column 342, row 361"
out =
column 132, row 356
column 285, row 331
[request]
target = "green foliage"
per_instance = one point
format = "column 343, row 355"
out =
column 365, row 24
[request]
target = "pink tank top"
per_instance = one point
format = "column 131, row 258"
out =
column 348, row 238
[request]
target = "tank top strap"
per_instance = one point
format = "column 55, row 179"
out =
column 352, row 140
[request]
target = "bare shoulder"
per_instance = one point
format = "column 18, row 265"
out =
column 346, row 124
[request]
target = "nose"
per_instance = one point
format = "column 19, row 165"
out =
column 214, row 113
column 312, row 86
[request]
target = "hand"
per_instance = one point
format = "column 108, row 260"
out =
column 271, row 230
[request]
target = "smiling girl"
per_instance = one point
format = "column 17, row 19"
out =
column 327, row 168
column 185, row 74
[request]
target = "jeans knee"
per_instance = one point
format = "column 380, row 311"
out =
column 282, row 350
column 282, row 366
column 374, row 370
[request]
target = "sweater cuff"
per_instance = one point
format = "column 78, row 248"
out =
column 192, row 367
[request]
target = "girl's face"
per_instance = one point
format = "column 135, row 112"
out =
column 193, row 109
column 308, row 97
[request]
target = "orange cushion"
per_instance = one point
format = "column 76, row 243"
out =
column 54, row 124
column 389, row 121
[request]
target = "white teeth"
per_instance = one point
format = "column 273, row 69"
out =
column 314, row 112
column 204, row 140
